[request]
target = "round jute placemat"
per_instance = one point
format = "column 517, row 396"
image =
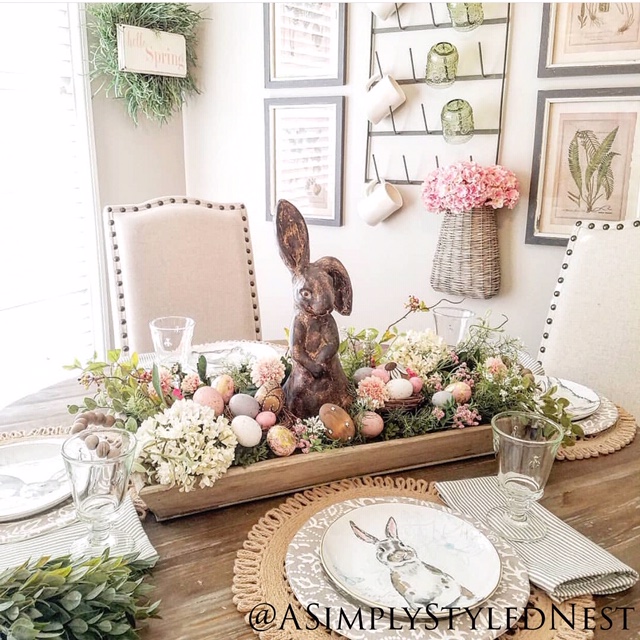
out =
column 259, row 573
column 608, row 441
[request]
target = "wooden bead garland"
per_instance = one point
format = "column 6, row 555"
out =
column 103, row 447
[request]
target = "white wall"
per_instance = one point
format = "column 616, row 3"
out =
column 224, row 160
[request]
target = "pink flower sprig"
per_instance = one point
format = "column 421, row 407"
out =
column 463, row 186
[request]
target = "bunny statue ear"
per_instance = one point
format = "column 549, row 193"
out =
column 391, row 529
column 342, row 288
column 293, row 236
column 363, row 535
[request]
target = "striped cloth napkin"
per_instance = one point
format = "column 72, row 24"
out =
column 564, row 563
column 57, row 542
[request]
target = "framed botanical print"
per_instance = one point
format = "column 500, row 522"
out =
column 588, row 38
column 586, row 161
column 304, row 156
column 304, row 44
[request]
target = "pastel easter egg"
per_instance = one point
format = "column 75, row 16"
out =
column 362, row 373
column 371, row 424
column 242, row 404
column 209, row 397
column 225, row 386
column 440, row 398
column 281, row 440
column 399, row 389
column 337, row 422
column 266, row 419
column 417, row 384
column 460, row 391
column 270, row 397
column 248, row 432
column 381, row 373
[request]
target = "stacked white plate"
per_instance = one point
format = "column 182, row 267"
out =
column 405, row 558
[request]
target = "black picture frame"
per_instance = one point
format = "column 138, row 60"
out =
column 335, row 109
column 544, row 146
column 334, row 77
column 546, row 67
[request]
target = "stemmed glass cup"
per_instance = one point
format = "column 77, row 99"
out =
column 98, row 463
column 526, row 445
column 172, row 337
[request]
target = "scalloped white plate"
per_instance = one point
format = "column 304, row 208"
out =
column 582, row 401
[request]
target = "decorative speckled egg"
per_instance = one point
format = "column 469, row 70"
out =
column 381, row 373
column 266, row 419
column 417, row 384
column 440, row 398
column 270, row 397
column 337, row 422
column 242, row 404
column 371, row 424
column 247, row 430
column 224, row 385
column 281, row 440
column 399, row 389
column 209, row 397
column 362, row 373
column 460, row 391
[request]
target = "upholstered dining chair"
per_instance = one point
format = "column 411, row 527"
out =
column 179, row 256
column 592, row 330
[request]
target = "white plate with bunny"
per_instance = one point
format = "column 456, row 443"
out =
column 582, row 401
column 404, row 555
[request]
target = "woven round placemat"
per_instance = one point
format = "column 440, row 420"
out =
column 259, row 574
column 609, row 441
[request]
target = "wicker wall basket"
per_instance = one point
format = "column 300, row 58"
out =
column 467, row 259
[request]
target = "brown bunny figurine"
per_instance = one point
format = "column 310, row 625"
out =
column 318, row 288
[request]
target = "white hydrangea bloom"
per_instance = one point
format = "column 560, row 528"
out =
column 186, row 446
column 421, row 351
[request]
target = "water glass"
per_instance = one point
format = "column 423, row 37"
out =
column 457, row 121
column 442, row 65
column 172, row 337
column 452, row 324
column 526, row 445
column 465, row 16
column 98, row 463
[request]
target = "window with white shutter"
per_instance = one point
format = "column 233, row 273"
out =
column 49, row 301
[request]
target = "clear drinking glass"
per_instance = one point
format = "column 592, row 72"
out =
column 465, row 16
column 457, row 121
column 452, row 324
column 442, row 65
column 98, row 463
column 172, row 337
column 526, row 445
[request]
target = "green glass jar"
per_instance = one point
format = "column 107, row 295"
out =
column 457, row 121
column 442, row 65
column 465, row 16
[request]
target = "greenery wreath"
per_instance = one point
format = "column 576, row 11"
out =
column 158, row 97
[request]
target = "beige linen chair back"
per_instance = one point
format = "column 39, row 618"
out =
column 592, row 331
column 178, row 256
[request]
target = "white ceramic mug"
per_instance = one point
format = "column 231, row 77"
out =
column 383, row 93
column 383, row 10
column 380, row 200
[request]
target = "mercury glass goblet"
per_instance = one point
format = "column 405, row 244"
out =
column 98, row 463
column 526, row 445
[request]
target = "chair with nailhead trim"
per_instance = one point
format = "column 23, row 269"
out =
column 185, row 257
column 592, row 330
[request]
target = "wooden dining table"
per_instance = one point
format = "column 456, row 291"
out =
column 599, row 497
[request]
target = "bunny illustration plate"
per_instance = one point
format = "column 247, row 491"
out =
column 396, row 556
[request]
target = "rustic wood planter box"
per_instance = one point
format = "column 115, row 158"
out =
column 283, row 475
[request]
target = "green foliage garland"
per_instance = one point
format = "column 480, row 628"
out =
column 58, row 598
column 158, row 97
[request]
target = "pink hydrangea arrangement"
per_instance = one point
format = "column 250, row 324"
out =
column 463, row 186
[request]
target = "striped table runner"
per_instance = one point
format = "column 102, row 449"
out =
column 56, row 543
column 564, row 563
